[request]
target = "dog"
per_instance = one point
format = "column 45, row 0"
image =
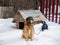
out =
column 17, row 19
column 28, row 31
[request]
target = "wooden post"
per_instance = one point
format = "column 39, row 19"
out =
column 56, row 11
column 42, row 6
column 53, row 6
column 49, row 8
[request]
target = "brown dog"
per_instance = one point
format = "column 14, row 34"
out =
column 18, row 18
column 28, row 31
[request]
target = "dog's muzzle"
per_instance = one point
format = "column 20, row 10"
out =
column 32, row 21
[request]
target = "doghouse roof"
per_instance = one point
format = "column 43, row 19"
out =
column 33, row 13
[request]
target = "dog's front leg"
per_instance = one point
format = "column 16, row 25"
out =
column 23, row 36
column 26, row 33
column 26, row 36
column 32, row 33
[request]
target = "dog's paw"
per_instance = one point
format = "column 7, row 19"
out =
column 23, row 36
column 31, row 39
column 26, row 39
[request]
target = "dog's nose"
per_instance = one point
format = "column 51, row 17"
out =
column 31, row 21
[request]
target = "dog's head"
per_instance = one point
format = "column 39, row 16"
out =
column 29, row 20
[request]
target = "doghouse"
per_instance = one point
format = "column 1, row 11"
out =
column 19, row 20
column 23, row 14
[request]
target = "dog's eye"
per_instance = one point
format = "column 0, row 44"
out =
column 31, row 18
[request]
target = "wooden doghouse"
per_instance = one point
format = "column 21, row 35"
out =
column 21, row 15
column 36, row 14
column 19, row 20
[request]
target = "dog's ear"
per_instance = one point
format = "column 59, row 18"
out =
column 29, row 19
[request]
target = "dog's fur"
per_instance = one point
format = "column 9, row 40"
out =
column 28, row 31
column 18, row 18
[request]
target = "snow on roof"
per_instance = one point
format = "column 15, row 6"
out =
column 33, row 13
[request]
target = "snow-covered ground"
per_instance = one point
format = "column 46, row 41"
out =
column 9, row 35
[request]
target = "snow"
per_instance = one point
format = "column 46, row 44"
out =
column 9, row 35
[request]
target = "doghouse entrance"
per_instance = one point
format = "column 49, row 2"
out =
column 21, row 25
